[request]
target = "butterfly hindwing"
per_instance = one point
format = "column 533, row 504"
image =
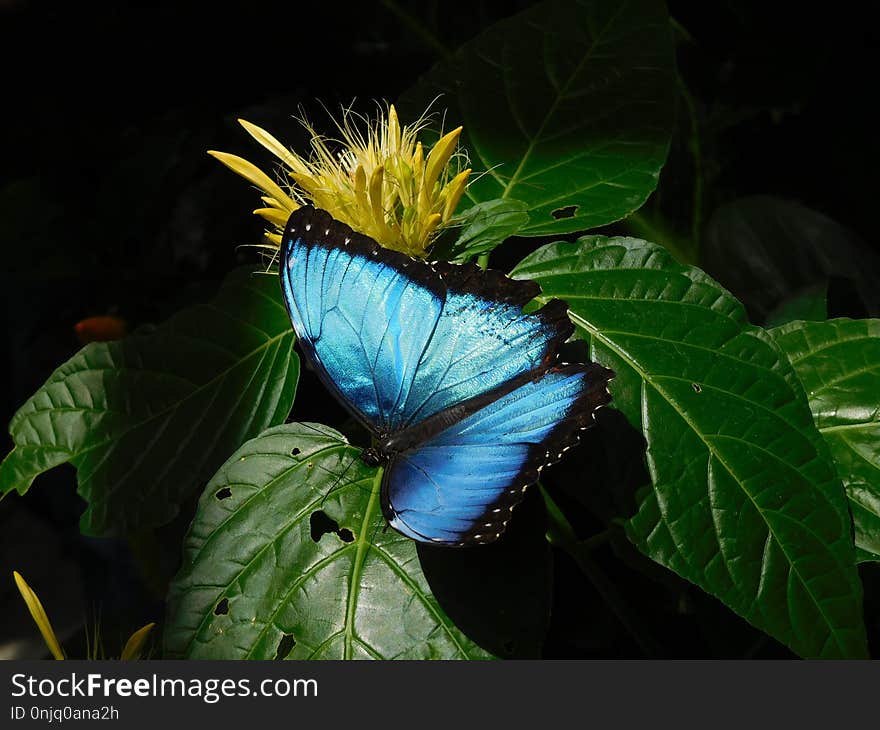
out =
column 459, row 486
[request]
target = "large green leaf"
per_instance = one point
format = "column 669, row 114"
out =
column 767, row 250
column 838, row 363
column 148, row 419
column 566, row 106
column 289, row 556
column 745, row 500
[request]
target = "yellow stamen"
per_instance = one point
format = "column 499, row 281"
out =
column 376, row 199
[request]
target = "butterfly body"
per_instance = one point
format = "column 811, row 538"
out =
column 460, row 388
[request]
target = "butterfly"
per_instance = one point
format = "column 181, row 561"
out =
column 461, row 390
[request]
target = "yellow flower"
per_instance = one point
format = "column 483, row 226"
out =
column 135, row 644
column 133, row 647
column 38, row 613
column 382, row 183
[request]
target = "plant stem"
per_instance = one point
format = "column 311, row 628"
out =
column 697, row 156
column 683, row 250
column 418, row 28
column 483, row 261
column 561, row 534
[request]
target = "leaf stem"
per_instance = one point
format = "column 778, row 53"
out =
column 561, row 534
column 483, row 261
column 418, row 28
column 697, row 156
column 682, row 249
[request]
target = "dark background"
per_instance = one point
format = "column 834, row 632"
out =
column 109, row 205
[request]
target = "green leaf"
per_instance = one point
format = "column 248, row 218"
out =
column 838, row 363
column 147, row 420
column 745, row 500
column 567, row 106
column 288, row 551
column 766, row 250
column 811, row 304
column 483, row 227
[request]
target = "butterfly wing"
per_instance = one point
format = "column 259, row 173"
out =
column 363, row 320
column 460, row 486
column 483, row 339
column 398, row 339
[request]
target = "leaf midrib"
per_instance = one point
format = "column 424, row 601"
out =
column 363, row 546
column 357, row 565
column 560, row 94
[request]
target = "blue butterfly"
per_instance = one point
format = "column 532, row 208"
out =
column 461, row 390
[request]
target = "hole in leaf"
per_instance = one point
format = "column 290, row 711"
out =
column 321, row 524
column 224, row 493
column 696, row 387
column 285, row 646
column 295, row 451
column 222, row 608
column 567, row 212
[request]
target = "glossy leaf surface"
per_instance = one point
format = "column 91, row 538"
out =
column 146, row 420
column 288, row 557
column 745, row 500
column 838, row 363
column 566, row 106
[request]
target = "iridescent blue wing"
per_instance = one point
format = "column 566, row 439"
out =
column 398, row 339
column 362, row 319
column 460, row 485
column 482, row 339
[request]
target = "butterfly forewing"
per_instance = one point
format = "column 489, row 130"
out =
column 361, row 320
column 398, row 339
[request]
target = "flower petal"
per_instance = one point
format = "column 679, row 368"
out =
column 273, row 215
column 273, row 145
column 454, row 191
column 38, row 613
column 253, row 174
column 439, row 157
column 135, row 644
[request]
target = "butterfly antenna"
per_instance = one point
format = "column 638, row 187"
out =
column 487, row 171
column 337, row 483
